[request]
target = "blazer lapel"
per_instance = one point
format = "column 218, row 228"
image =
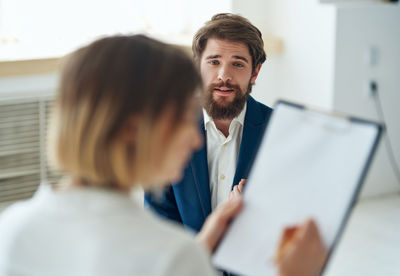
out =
column 201, row 176
column 253, row 130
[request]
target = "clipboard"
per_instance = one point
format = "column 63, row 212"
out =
column 310, row 164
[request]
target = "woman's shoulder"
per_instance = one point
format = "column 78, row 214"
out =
column 15, row 214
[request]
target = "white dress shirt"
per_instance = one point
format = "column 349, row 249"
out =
column 222, row 156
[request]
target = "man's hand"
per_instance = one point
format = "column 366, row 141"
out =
column 217, row 222
column 301, row 251
column 237, row 190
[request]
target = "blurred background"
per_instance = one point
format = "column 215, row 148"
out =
column 337, row 55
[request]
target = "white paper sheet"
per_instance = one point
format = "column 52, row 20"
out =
column 308, row 165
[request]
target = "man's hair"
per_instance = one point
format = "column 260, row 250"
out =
column 103, row 85
column 231, row 27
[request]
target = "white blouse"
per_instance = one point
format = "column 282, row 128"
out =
column 89, row 231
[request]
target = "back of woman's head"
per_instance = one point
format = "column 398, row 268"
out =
column 104, row 84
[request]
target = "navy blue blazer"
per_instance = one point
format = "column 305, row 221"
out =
column 189, row 201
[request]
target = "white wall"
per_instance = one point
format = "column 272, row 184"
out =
column 360, row 28
column 30, row 85
column 323, row 63
column 304, row 72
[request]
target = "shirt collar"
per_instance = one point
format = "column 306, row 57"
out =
column 239, row 118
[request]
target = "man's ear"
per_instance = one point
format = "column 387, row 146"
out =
column 255, row 73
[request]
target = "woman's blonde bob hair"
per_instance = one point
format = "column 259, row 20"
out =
column 104, row 84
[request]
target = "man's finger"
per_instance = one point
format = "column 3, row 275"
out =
column 241, row 184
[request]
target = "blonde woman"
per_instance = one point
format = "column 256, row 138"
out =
column 125, row 116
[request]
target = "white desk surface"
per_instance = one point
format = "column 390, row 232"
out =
column 370, row 244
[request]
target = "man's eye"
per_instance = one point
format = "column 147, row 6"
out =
column 214, row 62
column 238, row 65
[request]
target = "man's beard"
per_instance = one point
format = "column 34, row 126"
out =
column 224, row 110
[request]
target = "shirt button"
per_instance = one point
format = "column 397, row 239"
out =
column 222, row 177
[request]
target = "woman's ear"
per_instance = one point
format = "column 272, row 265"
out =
column 130, row 129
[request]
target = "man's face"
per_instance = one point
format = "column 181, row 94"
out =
column 226, row 70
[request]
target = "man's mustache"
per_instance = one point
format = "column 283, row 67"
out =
column 224, row 84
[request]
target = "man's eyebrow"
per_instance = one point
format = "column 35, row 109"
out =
column 235, row 57
column 241, row 58
column 213, row 56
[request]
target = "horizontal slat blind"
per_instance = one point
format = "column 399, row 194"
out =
column 23, row 160
column 19, row 150
column 21, row 187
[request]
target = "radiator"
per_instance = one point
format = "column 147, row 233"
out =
column 23, row 161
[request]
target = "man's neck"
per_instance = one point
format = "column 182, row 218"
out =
column 223, row 126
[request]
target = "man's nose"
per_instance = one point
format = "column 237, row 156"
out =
column 224, row 74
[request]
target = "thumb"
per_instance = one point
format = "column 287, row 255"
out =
column 229, row 209
column 217, row 223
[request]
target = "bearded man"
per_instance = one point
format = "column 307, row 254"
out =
column 229, row 52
